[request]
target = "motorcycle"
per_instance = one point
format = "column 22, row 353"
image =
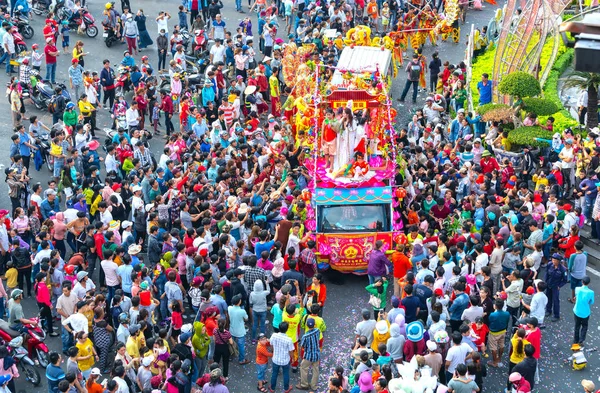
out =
column 36, row 348
column 109, row 36
column 43, row 91
column 123, row 82
column 60, row 10
column 42, row 142
column 40, row 7
column 16, row 350
column 20, row 45
column 193, row 73
column 85, row 23
column 22, row 22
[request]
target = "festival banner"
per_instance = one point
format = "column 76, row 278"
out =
column 349, row 253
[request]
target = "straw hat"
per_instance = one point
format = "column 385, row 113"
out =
column 134, row 249
column 250, row 89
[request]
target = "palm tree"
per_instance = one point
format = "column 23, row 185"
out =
column 589, row 81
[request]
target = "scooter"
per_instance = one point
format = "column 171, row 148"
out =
column 60, row 10
column 15, row 348
column 35, row 343
column 22, row 22
column 110, row 38
column 85, row 23
column 43, row 91
column 40, row 7
column 20, row 45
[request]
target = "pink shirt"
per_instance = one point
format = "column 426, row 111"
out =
column 265, row 264
column 42, row 293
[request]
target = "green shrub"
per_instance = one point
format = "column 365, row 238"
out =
column 483, row 109
column 523, row 136
column 520, row 84
column 540, row 106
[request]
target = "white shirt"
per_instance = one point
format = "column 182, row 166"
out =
column 163, row 23
column 111, row 163
column 79, row 322
column 538, row 306
column 471, row 313
column 456, row 355
column 582, row 100
column 8, row 42
column 218, row 53
column 132, row 117
column 41, row 255
column 106, row 217
column 110, row 272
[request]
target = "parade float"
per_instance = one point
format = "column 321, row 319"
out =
column 351, row 195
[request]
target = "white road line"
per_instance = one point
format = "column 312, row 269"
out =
column 593, row 271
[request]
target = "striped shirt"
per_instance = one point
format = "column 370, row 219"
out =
column 310, row 344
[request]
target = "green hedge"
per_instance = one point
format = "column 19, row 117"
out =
column 540, row 106
column 562, row 119
column 523, row 136
column 483, row 109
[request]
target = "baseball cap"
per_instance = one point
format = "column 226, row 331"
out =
column 96, row 371
column 310, row 322
column 588, row 385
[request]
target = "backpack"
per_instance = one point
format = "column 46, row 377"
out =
column 415, row 71
column 52, row 104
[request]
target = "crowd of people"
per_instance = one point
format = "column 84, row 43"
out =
column 203, row 252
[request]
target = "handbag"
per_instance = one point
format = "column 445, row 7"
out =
column 233, row 348
column 375, row 301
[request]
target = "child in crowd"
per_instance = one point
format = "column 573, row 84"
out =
column 263, row 354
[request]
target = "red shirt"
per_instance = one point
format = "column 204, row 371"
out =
column 535, row 338
column 49, row 58
column 167, row 105
column 488, row 166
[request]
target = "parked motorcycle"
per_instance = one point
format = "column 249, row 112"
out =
column 40, row 7
column 85, row 23
column 60, row 10
column 15, row 348
column 36, row 348
column 22, row 22
column 20, row 45
column 43, row 91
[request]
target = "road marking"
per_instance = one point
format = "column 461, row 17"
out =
column 593, row 271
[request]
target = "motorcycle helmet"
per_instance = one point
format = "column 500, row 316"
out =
column 70, row 105
column 25, row 61
column 16, row 293
column 14, row 29
column 35, row 46
column 144, row 58
column 70, row 269
column 108, row 6
column 123, row 318
column 125, row 53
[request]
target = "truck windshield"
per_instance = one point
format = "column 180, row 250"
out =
column 354, row 218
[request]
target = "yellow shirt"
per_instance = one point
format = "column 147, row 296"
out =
column 293, row 324
column 85, row 108
column 132, row 347
column 380, row 338
column 514, row 357
column 274, row 84
column 11, row 277
column 85, row 349
column 319, row 324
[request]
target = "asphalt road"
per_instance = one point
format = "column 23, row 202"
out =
column 346, row 293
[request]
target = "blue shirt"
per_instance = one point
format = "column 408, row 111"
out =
column 499, row 321
column 458, row 306
column 310, row 344
column 584, row 298
column 237, row 316
column 485, row 92
column 124, row 271
column 556, row 276
column 260, row 247
column 54, row 374
column 24, row 150
column 411, row 303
